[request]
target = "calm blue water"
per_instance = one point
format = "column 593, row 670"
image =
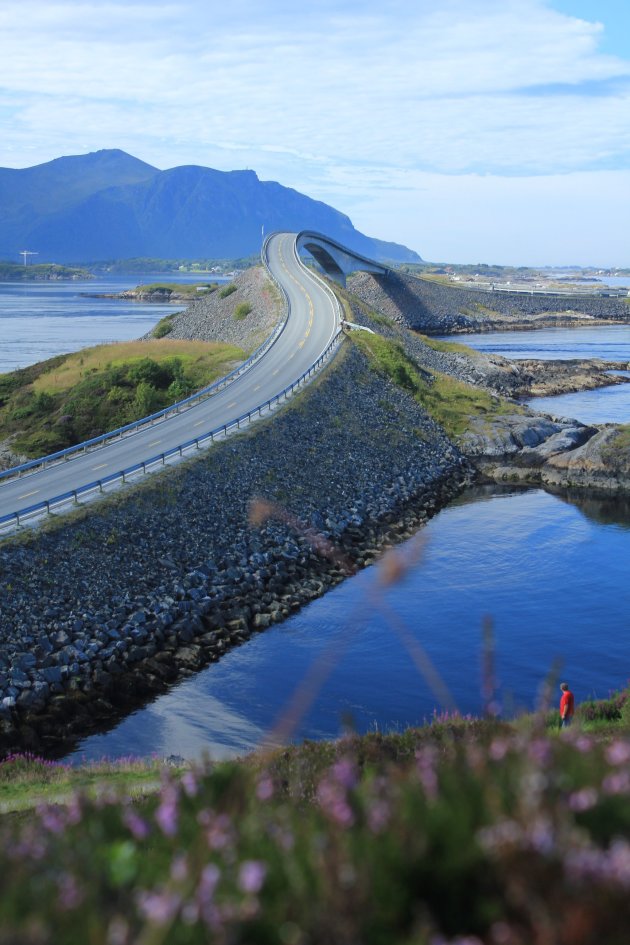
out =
column 553, row 576
column 610, row 342
column 39, row 320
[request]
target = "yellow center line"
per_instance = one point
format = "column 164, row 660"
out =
column 27, row 494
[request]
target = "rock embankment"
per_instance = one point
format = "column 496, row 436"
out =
column 155, row 582
column 433, row 308
column 216, row 316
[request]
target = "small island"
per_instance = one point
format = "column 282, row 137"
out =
column 41, row 272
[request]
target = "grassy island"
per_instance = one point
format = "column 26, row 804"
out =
column 65, row 400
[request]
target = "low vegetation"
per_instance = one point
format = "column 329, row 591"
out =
column 168, row 289
column 449, row 401
column 227, row 290
column 463, row 832
column 242, row 310
column 60, row 402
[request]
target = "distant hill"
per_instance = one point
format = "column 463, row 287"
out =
column 110, row 205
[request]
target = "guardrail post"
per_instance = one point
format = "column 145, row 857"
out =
column 75, row 498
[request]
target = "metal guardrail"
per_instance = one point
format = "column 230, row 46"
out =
column 15, row 519
column 16, row 472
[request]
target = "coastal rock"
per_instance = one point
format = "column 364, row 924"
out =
column 603, row 463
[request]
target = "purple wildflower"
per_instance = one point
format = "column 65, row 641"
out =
column 167, row 813
column 583, row 800
column 138, row 827
column 251, row 876
column 159, row 907
column 618, row 753
column 264, row 789
column 189, row 784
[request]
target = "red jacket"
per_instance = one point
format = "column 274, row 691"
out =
column 567, row 704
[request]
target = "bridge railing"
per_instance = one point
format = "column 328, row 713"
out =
column 130, row 428
column 47, row 507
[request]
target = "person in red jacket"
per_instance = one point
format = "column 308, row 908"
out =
column 567, row 705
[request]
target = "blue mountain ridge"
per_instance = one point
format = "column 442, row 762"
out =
column 110, row 205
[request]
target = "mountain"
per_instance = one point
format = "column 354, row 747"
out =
column 110, row 205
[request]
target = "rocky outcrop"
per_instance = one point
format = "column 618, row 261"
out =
column 602, row 463
column 538, row 378
column 8, row 457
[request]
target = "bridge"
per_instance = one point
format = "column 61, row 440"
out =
column 307, row 336
column 336, row 260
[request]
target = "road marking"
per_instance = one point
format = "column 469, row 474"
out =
column 102, row 466
column 292, row 355
column 257, row 387
column 27, row 494
column 198, row 423
column 276, row 370
column 155, row 442
column 302, row 343
column 233, row 404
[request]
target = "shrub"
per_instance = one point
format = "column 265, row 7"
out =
column 227, row 290
column 242, row 310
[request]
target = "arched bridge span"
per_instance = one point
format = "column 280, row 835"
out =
column 336, row 260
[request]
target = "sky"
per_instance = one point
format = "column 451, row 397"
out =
column 493, row 131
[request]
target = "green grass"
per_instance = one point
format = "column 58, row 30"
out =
column 450, row 402
column 227, row 290
column 60, row 402
column 618, row 449
column 242, row 310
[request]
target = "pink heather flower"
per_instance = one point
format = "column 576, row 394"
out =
column 219, row 833
column 539, row 751
column 583, row 744
column 52, row 819
column 583, row 800
column 204, row 896
column 179, row 869
column 499, row 749
column 616, row 783
column 618, row 753
column 159, row 907
column 189, row 784
column 251, row 876
column 70, row 895
column 378, row 816
column 344, row 773
column 332, row 800
column 540, row 835
column 138, row 827
column 264, row 789
column 167, row 813
column 425, row 760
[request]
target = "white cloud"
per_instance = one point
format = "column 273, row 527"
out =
column 319, row 94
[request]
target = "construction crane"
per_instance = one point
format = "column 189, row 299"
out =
column 26, row 253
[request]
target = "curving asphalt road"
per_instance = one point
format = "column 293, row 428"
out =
column 311, row 325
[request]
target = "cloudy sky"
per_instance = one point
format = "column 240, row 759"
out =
column 471, row 130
